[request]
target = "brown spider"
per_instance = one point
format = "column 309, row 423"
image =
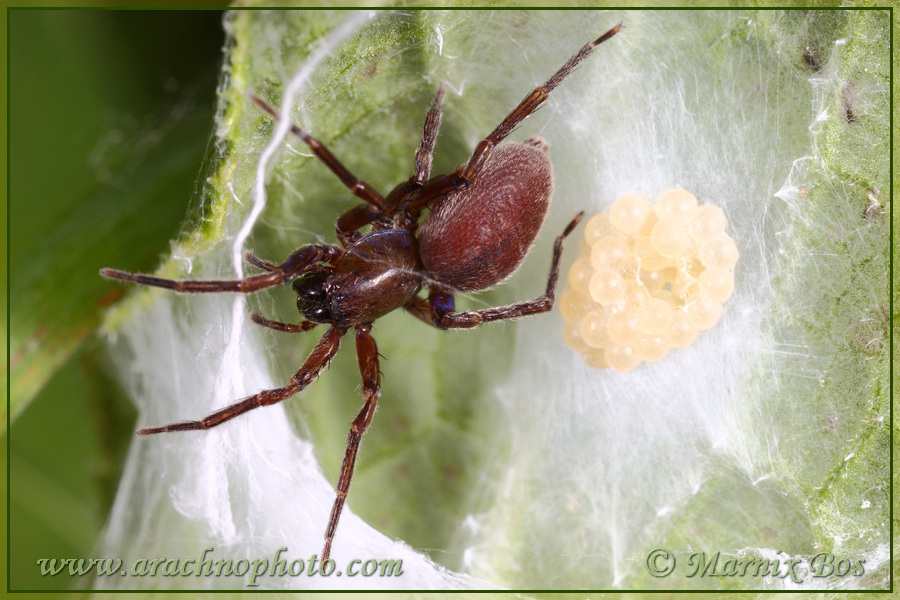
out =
column 483, row 220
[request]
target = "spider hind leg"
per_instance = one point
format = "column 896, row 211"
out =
column 315, row 363
column 367, row 355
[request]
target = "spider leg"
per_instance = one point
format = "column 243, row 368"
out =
column 358, row 188
column 429, row 136
column 279, row 326
column 421, row 309
column 531, row 103
column 348, row 225
column 300, row 261
column 315, row 363
column 259, row 263
column 367, row 355
column 442, row 185
column 441, row 307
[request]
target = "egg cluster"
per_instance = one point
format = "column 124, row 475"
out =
column 650, row 278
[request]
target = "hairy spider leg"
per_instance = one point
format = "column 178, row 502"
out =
column 259, row 263
column 529, row 105
column 280, row 326
column 442, row 185
column 315, row 363
column 357, row 187
column 438, row 309
column 347, row 226
column 425, row 151
column 300, row 261
column 271, row 324
column 410, row 190
column 367, row 356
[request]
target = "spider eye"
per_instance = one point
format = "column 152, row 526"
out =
column 318, row 314
column 311, row 288
column 312, row 297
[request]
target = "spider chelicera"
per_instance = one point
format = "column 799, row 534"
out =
column 483, row 219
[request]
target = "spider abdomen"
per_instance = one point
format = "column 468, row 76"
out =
column 478, row 236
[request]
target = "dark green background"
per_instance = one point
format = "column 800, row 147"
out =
column 110, row 113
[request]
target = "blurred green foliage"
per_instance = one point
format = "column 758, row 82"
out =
column 110, row 113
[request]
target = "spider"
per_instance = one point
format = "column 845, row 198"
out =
column 483, row 219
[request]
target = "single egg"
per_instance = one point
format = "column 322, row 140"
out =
column 580, row 274
column 627, row 214
column 574, row 304
column 719, row 252
column 621, row 358
column 654, row 317
column 706, row 222
column 607, row 287
column 597, row 227
column 716, row 284
column 623, row 326
column 593, row 329
column 704, row 312
column 675, row 205
column 672, row 239
column 682, row 332
column 611, row 252
column 651, row 349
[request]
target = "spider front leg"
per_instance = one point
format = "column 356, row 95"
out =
column 439, row 309
column 533, row 101
column 425, row 152
column 315, row 363
column 357, row 187
column 348, row 225
column 354, row 219
column 300, row 261
column 300, row 327
column 442, row 185
column 259, row 263
column 367, row 356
